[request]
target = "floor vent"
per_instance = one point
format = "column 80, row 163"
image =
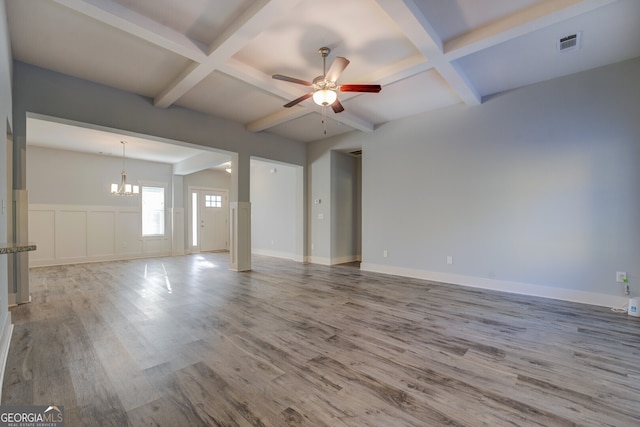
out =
column 569, row 43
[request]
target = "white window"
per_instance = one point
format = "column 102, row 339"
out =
column 211, row 201
column 152, row 211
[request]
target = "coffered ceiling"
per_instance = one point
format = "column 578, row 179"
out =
column 218, row 56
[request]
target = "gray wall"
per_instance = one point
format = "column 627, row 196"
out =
column 536, row 191
column 72, row 178
column 273, row 209
column 208, row 178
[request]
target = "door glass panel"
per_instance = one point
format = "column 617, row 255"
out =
column 194, row 219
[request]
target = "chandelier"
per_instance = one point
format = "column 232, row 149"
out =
column 124, row 189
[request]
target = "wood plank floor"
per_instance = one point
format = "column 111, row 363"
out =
column 182, row 341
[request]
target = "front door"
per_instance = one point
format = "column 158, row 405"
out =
column 210, row 222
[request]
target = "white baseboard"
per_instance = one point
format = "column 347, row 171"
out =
column 90, row 259
column 344, row 259
column 319, row 260
column 563, row 294
column 5, row 341
column 332, row 261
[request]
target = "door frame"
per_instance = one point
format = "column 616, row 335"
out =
column 191, row 190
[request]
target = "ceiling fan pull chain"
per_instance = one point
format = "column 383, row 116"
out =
column 324, row 119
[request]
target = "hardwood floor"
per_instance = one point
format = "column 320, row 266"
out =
column 183, row 341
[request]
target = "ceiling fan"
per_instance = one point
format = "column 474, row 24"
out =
column 325, row 87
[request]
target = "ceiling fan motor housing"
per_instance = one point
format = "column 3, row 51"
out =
column 320, row 83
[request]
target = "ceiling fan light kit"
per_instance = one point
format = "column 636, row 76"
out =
column 325, row 87
column 325, row 97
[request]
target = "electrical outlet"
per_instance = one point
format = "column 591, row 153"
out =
column 385, row 253
column 621, row 277
column 449, row 260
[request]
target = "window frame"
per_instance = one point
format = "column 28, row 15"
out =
column 163, row 187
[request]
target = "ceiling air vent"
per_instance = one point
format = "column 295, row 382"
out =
column 356, row 153
column 569, row 43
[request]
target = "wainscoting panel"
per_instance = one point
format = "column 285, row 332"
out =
column 240, row 247
column 178, row 225
column 71, row 234
column 128, row 233
column 101, row 229
column 75, row 234
column 42, row 228
column 155, row 246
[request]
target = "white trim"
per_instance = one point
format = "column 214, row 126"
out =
column 5, row 341
column 319, row 260
column 87, row 260
column 240, row 244
column 153, row 184
column 177, row 231
column 344, row 259
column 326, row 261
column 564, row 294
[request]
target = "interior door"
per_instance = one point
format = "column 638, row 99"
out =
column 213, row 220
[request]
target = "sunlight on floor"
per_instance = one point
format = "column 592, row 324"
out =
column 201, row 261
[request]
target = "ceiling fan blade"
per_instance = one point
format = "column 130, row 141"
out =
column 291, row 80
column 338, row 66
column 337, row 106
column 299, row 100
column 361, row 88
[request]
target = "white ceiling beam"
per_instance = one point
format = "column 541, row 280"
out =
column 356, row 122
column 419, row 30
column 457, row 79
column 287, row 114
column 400, row 70
column 261, row 15
column 277, row 118
column 523, row 22
column 201, row 161
column 131, row 22
column 245, row 73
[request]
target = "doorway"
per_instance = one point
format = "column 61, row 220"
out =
column 209, row 222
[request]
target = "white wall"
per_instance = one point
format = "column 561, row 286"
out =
column 273, row 209
column 74, row 218
column 535, row 191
